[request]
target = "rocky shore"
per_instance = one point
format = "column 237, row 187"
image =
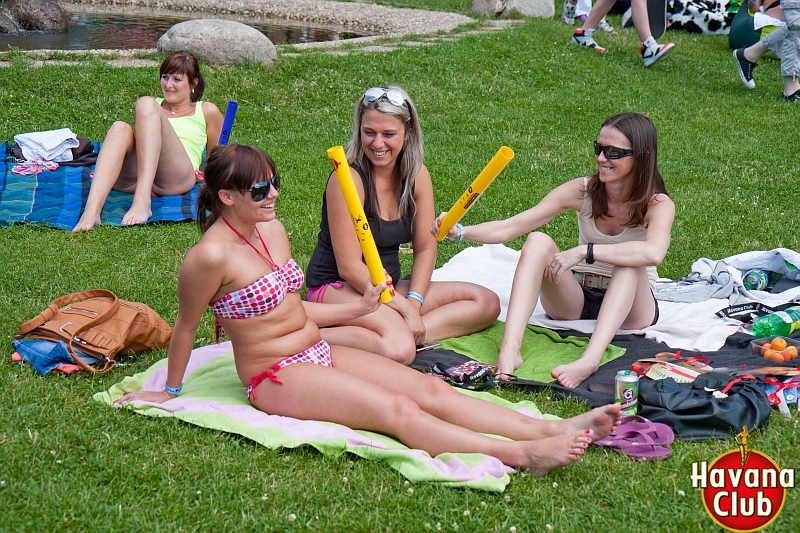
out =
column 370, row 18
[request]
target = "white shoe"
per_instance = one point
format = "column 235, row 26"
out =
column 604, row 26
column 568, row 13
column 654, row 53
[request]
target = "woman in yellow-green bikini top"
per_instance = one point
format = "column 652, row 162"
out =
column 191, row 131
column 160, row 153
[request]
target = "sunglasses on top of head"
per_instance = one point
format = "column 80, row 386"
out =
column 394, row 96
column 260, row 190
column 611, row 152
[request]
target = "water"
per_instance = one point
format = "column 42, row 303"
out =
column 94, row 31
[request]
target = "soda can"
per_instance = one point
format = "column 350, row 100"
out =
column 626, row 391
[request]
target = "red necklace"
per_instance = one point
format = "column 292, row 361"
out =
column 267, row 258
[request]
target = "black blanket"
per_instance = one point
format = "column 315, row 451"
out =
column 736, row 353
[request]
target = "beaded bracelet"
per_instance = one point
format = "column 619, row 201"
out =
column 174, row 391
column 415, row 296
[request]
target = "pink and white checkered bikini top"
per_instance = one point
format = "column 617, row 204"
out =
column 261, row 296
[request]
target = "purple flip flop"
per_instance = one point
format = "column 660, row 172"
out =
column 639, row 438
column 640, row 446
column 635, row 445
column 660, row 433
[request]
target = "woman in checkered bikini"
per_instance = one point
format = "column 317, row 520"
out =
column 243, row 269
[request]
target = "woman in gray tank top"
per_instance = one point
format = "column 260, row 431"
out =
column 625, row 220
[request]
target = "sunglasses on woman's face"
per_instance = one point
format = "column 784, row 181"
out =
column 394, row 96
column 611, row 152
column 261, row 189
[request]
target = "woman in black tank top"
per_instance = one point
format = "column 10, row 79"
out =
column 385, row 152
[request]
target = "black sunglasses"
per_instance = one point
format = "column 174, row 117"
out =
column 261, row 189
column 611, row 152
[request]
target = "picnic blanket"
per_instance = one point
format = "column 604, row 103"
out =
column 734, row 356
column 213, row 397
column 56, row 198
column 686, row 326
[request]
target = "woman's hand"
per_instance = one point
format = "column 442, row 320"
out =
column 452, row 234
column 145, row 396
column 563, row 262
column 415, row 324
column 372, row 293
column 409, row 310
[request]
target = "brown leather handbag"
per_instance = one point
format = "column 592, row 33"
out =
column 100, row 324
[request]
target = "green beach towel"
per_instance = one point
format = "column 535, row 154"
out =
column 542, row 350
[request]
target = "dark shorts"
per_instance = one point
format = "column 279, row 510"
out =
column 593, row 299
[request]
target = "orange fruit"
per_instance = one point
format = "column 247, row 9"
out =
column 772, row 355
column 764, row 348
column 778, row 343
column 790, row 353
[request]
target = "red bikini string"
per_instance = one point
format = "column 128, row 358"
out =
column 268, row 258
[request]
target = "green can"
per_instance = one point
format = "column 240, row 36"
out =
column 626, row 391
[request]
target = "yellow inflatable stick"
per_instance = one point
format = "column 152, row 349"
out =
column 473, row 192
column 376, row 272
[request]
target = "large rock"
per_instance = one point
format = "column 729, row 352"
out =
column 7, row 24
column 220, row 42
column 39, row 15
column 528, row 8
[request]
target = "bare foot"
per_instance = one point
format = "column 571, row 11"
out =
column 601, row 421
column 87, row 222
column 137, row 215
column 573, row 374
column 541, row 456
column 507, row 362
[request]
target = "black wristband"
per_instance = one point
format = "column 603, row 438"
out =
column 590, row 253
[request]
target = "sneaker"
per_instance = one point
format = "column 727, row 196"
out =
column 627, row 19
column 794, row 97
column 654, row 53
column 745, row 68
column 581, row 38
column 568, row 13
column 604, row 26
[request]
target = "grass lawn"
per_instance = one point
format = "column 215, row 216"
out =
column 729, row 159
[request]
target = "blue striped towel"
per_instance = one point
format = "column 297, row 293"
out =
column 56, row 198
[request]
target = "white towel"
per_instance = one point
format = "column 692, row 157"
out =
column 686, row 326
column 52, row 145
column 760, row 20
column 583, row 7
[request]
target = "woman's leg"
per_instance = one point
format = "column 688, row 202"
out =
column 640, row 18
column 321, row 393
column 454, row 308
column 116, row 153
column 599, row 10
column 529, row 276
column 383, row 332
column 436, row 397
column 790, row 52
column 628, row 304
column 163, row 166
column 357, row 337
column 754, row 53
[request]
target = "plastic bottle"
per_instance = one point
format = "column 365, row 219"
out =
column 755, row 279
column 778, row 324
